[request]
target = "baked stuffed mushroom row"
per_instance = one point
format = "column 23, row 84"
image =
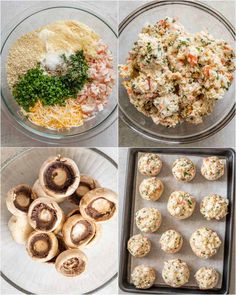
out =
column 183, row 169
column 175, row 273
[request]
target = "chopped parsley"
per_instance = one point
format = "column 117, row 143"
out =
column 35, row 85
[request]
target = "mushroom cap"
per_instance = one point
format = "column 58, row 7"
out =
column 59, row 177
column 78, row 231
column 86, row 184
column 38, row 192
column 42, row 246
column 19, row 199
column 61, row 248
column 45, row 215
column 73, row 212
column 98, row 227
column 99, row 204
column 20, row 228
column 71, row 262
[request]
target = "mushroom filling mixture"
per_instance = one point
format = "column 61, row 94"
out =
column 60, row 74
column 173, row 76
column 205, row 242
column 50, row 233
column 181, row 204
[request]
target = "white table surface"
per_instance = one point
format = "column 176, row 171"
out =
column 10, row 135
column 123, row 153
column 224, row 138
column 112, row 288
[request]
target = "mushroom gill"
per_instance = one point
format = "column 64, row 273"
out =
column 19, row 199
column 71, row 262
column 59, row 177
column 46, row 215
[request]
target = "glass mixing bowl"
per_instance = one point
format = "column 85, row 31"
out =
column 30, row 277
column 34, row 18
column 195, row 16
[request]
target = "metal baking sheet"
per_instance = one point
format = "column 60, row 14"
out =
column 199, row 188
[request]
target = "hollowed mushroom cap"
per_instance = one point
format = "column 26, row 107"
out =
column 20, row 228
column 78, row 231
column 38, row 192
column 87, row 183
column 71, row 263
column 46, row 215
column 99, row 204
column 42, row 246
column 19, row 199
column 59, row 177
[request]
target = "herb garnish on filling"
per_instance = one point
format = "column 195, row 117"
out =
column 51, row 90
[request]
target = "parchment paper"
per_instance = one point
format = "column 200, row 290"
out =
column 198, row 187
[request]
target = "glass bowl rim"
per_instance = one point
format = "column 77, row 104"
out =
column 17, row 122
column 17, row 156
column 188, row 138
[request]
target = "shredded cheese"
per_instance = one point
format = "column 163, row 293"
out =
column 56, row 117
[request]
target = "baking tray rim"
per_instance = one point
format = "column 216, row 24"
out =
column 229, row 153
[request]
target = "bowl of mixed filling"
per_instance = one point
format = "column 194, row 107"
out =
column 60, row 70
column 176, row 73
